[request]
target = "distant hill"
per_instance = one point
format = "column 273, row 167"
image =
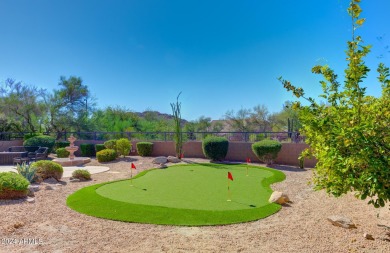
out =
column 156, row 114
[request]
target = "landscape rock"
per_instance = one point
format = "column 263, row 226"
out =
column 33, row 187
column 368, row 236
column 162, row 166
column 279, row 198
column 160, row 160
column 173, row 159
column 49, row 187
column 30, row 200
column 341, row 221
column 74, row 180
column 50, row 180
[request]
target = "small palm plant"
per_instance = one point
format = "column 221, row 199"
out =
column 26, row 171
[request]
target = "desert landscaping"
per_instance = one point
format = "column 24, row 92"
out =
column 48, row 225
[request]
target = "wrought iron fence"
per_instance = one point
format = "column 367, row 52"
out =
column 165, row 136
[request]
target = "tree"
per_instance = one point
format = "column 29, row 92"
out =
column 350, row 134
column 21, row 104
column 260, row 118
column 239, row 121
column 70, row 105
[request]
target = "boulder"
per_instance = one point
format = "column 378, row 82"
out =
column 162, row 166
column 173, row 159
column 74, row 180
column 279, row 198
column 33, row 187
column 50, row 180
column 341, row 221
column 368, row 236
column 49, row 187
column 30, row 200
column 160, row 160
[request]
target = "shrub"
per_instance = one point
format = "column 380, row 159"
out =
column 144, row 148
column 123, row 146
column 42, row 141
column 81, row 174
column 106, row 155
column 26, row 171
column 62, row 153
column 30, row 135
column 87, row 149
column 215, row 148
column 61, row 144
column 47, row 169
column 99, row 147
column 12, row 185
column 266, row 150
column 110, row 144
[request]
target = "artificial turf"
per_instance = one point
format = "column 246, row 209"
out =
column 193, row 195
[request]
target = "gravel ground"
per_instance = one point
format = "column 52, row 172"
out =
column 48, row 225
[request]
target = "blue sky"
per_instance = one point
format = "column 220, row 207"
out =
column 221, row 54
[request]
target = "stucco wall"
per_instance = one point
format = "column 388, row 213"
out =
column 238, row 151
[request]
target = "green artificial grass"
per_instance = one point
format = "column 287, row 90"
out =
column 192, row 195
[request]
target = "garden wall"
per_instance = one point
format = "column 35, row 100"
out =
column 238, row 151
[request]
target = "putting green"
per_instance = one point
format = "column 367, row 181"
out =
column 193, row 194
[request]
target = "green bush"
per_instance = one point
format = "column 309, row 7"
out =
column 87, row 149
column 144, row 148
column 30, row 135
column 62, row 153
column 47, row 169
column 106, row 155
column 12, row 185
column 215, row 148
column 81, row 174
column 123, row 146
column 61, row 144
column 99, row 147
column 26, row 171
column 266, row 150
column 110, row 144
column 42, row 141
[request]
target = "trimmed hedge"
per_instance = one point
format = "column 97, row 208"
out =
column 13, row 185
column 215, row 148
column 144, row 148
column 266, row 150
column 87, row 149
column 47, row 169
column 42, row 141
column 110, row 144
column 62, row 153
column 81, row 174
column 123, row 146
column 106, row 155
column 99, row 147
column 30, row 135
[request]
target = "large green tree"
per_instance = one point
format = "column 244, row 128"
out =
column 350, row 134
column 70, row 106
column 21, row 105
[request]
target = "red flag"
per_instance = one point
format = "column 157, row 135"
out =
column 133, row 166
column 230, row 176
column 248, row 160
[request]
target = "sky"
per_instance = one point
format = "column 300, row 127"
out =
column 221, row 54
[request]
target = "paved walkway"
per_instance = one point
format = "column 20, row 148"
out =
column 67, row 170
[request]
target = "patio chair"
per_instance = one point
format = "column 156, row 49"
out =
column 40, row 154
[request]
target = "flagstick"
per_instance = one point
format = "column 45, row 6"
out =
column 131, row 177
column 229, row 191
